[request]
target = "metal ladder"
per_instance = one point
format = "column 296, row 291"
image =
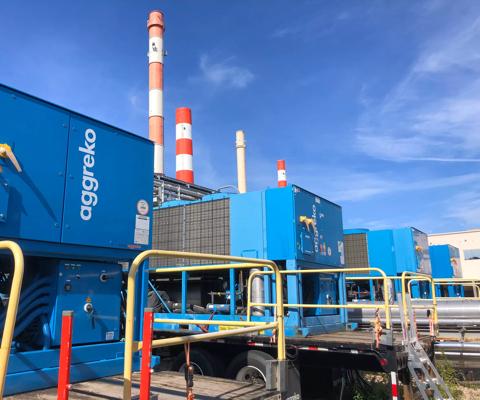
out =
column 422, row 370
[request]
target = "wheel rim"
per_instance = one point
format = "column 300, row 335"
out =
column 251, row 374
column 197, row 370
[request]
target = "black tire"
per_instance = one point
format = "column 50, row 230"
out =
column 254, row 359
column 204, row 363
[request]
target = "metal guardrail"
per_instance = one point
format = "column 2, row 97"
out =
column 386, row 306
column 12, row 308
column 416, row 275
column 239, row 263
column 474, row 283
column 411, row 276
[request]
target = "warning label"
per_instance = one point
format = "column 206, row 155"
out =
column 142, row 230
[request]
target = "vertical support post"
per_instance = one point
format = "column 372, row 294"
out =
column 65, row 356
column 372, row 289
column 233, row 296
column 342, row 297
column 394, row 386
column 184, row 291
column 145, row 372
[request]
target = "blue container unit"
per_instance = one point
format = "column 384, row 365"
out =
column 296, row 229
column 446, row 264
column 395, row 251
column 79, row 206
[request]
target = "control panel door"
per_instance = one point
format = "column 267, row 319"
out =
column 109, row 187
column 92, row 291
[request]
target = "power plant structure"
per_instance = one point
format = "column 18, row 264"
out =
column 117, row 268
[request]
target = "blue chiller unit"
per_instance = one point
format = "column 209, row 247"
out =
column 79, row 205
column 446, row 264
column 392, row 250
column 291, row 226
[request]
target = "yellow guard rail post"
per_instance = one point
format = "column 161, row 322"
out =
column 383, row 276
column 12, row 308
column 241, row 262
column 415, row 276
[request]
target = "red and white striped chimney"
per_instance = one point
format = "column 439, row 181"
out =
column 156, row 29
column 183, row 133
column 281, row 173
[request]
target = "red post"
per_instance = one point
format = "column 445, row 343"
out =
column 65, row 356
column 145, row 372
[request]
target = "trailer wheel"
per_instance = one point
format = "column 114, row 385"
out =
column 249, row 366
column 202, row 361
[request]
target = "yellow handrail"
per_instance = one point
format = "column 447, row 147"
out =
column 414, row 275
column 386, row 305
column 241, row 262
column 12, row 308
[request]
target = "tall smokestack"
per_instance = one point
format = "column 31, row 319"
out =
column 241, row 168
column 183, row 133
column 281, row 173
column 156, row 28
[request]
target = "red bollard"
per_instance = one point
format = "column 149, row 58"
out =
column 65, row 356
column 145, row 372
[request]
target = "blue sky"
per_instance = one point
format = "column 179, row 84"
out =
column 374, row 104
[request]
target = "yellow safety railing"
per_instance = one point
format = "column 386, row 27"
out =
column 11, row 316
column 247, row 327
column 474, row 283
column 418, row 276
column 385, row 306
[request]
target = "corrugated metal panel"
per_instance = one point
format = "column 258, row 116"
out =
column 199, row 227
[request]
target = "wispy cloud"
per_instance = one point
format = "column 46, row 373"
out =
column 314, row 26
column 464, row 207
column 362, row 186
column 432, row 113
column 225, row 73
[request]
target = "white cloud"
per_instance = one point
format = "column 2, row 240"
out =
column 225, row 73
column 432, row 114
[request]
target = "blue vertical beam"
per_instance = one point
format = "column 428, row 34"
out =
column 232, row 292
column 184, row 291
column 293, row 293
column 372, row 290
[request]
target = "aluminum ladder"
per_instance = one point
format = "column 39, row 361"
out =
column 423, row 371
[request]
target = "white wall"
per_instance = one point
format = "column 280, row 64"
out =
column 467, row 240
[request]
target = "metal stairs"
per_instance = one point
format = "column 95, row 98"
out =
column 423, row 372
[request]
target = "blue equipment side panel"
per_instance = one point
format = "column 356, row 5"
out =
column 411, row 250
column 280, row 221
column 405, row 253
column 292, row 236
column 247, row 216
column 92, row 291
column 381, row 251
column 109, row 187
column 32, row 200
column 445, row 260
